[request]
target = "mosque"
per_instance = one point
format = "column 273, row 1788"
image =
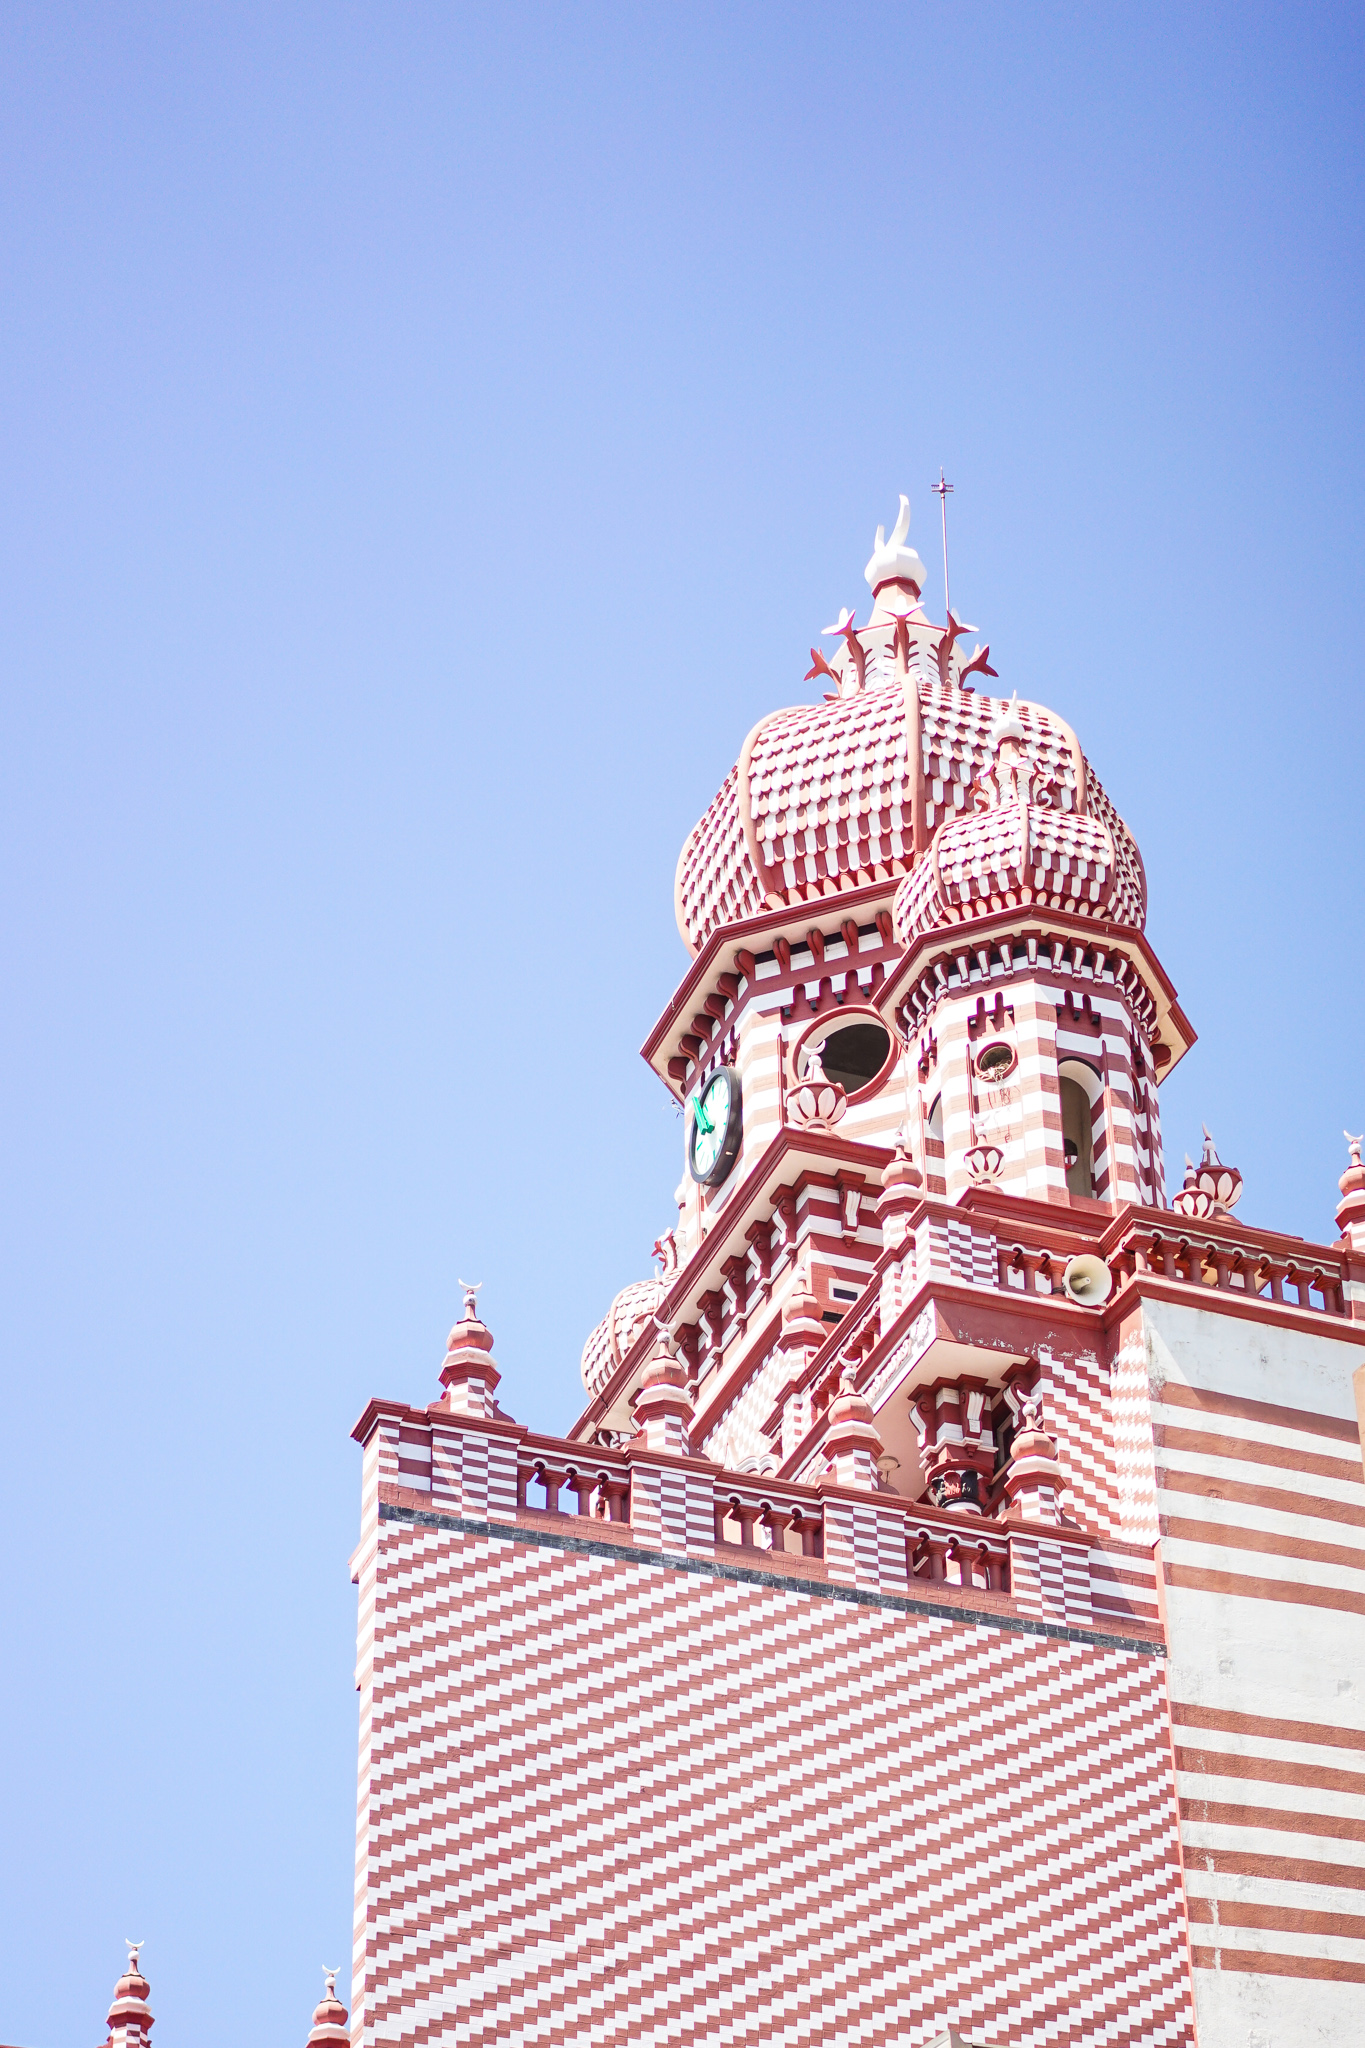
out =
column 945, row 1622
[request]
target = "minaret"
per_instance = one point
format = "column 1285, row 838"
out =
column 130, row 2016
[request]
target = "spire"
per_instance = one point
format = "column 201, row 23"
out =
column 468, row 1373
column 329, row 2018
column 130, row 2016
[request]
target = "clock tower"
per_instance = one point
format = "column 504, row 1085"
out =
column 940, row 1621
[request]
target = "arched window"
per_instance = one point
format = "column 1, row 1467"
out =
column 1081, row 1089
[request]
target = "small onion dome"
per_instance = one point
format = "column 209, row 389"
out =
column 1033, row 1477
column 632, row 1309
column 468, row 1372
column 1351, row 1208
column 130, row 2016
column 1011, row 855
column 329, row 2019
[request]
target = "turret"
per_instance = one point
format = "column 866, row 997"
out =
column 467, row 1371
column 329, row 2018
column 130, row 2016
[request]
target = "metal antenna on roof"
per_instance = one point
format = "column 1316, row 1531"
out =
column 942, row 489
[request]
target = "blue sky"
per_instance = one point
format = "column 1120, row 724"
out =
column 432, row 437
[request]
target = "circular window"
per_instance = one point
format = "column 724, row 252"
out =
column 994, row 1062
column 855, row 1054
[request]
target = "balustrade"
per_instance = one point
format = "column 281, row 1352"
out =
column 737, row 1517
column 957, row 1559
column 756, row 1516
column 1234, row 1269
column 598, row 1492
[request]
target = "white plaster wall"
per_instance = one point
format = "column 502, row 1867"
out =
column 1272, row 1658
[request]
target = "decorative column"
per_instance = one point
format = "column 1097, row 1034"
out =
column 852, row 1442
column 1033, row 1477
column 130, row 2016
column 1351, row 1224
column 329, row 2018
column 468, row 1373
column 902, row 1187
column 1049, row 1572
column 663, row 1407
column 803, row 1333
column 473, row 1446
column 672, row 1494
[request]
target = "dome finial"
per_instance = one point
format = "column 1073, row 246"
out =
column 1008, row 726
column 892, row 561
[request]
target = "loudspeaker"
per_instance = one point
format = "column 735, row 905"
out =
column 1088, row 1280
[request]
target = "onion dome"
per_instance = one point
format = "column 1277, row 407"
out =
column 1021, row 844
column 822, row 799
column 130, row 2016
column 632, row 1309
column 330, row 2029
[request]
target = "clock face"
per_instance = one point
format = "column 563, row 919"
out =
column 713, row 1140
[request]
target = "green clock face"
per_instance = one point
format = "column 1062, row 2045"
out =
column 713, row 1139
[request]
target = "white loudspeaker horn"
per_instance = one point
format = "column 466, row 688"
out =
column 1088, row 1280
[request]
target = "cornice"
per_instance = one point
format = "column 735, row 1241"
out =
column 1032, row 921
column 751, row 934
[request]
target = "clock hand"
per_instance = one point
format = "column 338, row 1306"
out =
column 704, row 1122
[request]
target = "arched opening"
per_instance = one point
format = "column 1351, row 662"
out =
column 1081, row 1088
